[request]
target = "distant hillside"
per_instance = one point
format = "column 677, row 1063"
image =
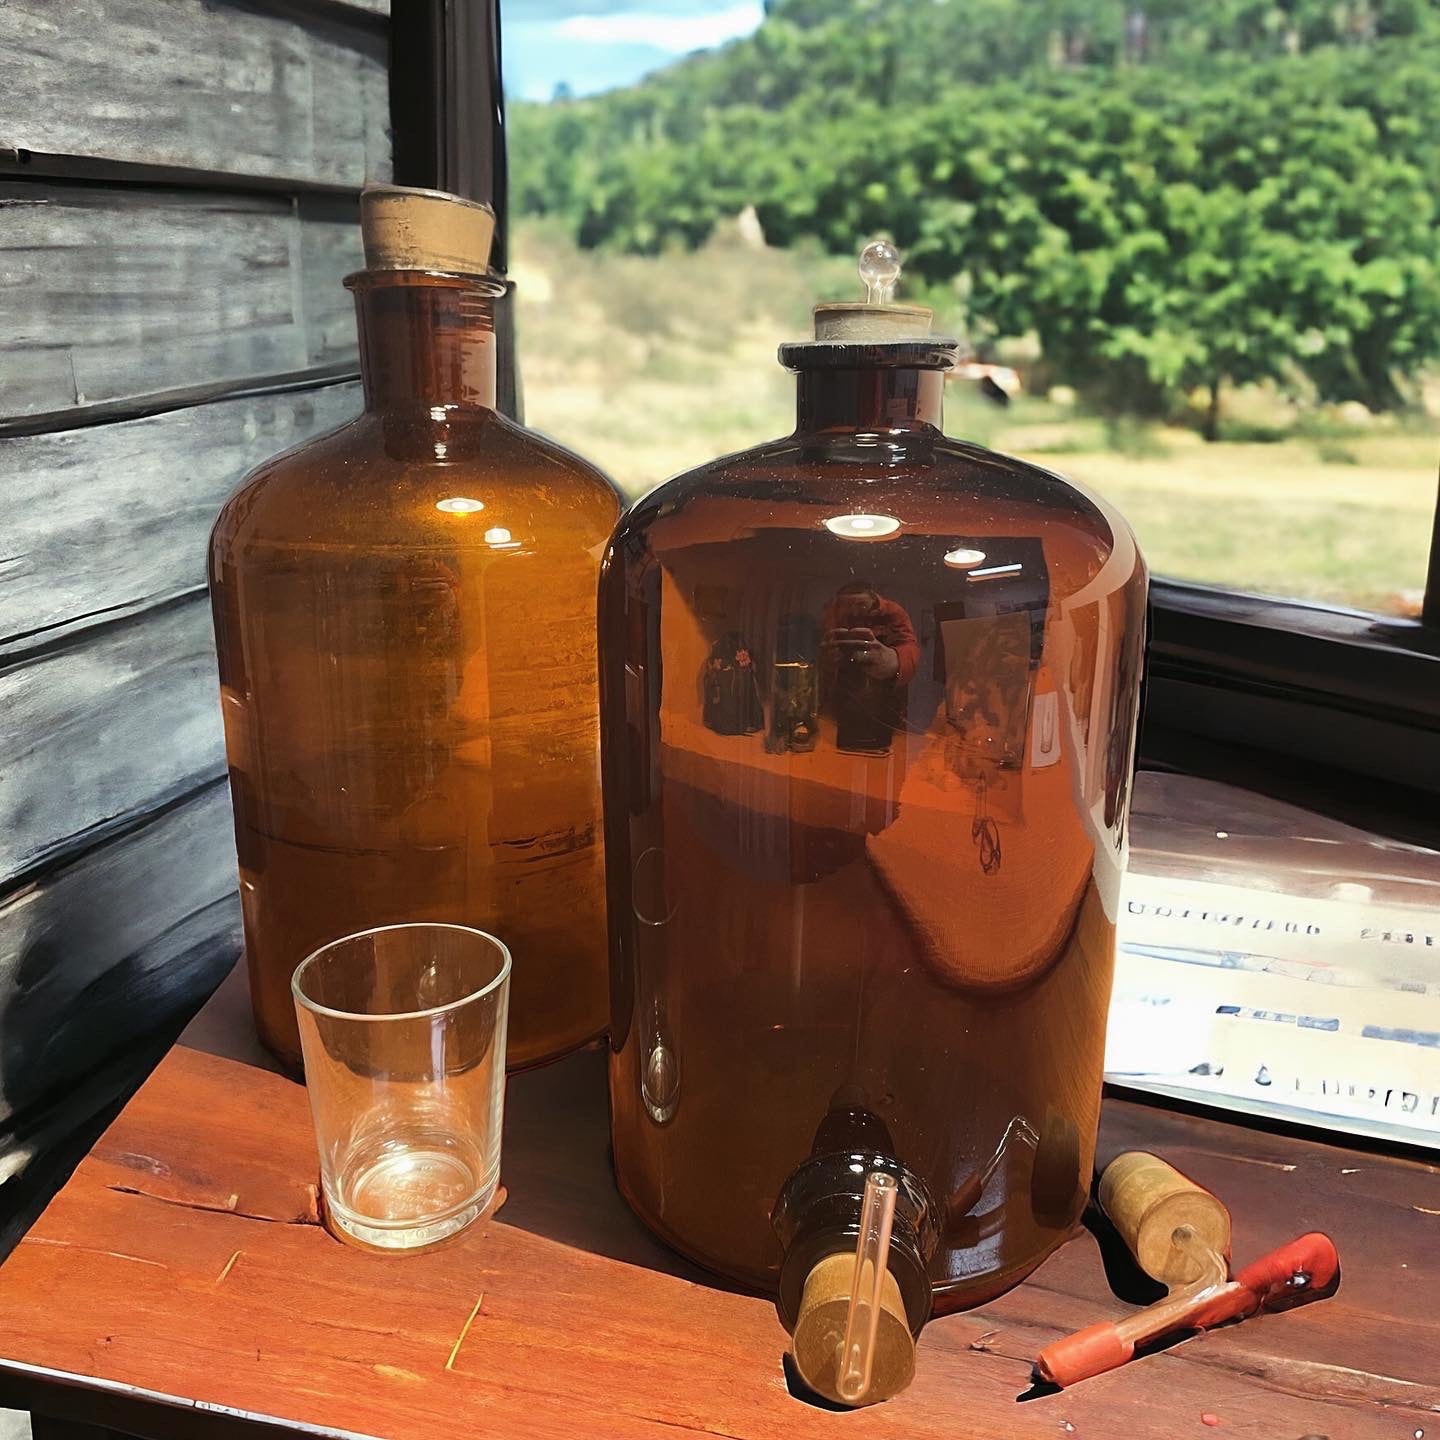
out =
column 824, row 53
column 1169, row 195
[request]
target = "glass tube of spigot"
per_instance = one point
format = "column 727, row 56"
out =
column 872, row 1260
column 1176, row 1310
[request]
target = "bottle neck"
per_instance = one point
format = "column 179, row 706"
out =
column 425, row 341
column 878, row 398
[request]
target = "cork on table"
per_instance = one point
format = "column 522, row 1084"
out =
column 181, row 1285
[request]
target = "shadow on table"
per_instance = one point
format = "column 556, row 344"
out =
column 557, row 1171
column 555, row 1161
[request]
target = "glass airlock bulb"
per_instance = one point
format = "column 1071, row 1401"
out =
column 876, row 318
column 880, row 270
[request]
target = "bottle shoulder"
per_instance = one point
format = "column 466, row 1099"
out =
column 540, row 447
column 919, row 460
column 902, row 486
column 406, row 479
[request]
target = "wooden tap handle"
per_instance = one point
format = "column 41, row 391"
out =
column 1147, row 1200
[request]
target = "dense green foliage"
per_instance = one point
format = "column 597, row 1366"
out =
column 1169, row 196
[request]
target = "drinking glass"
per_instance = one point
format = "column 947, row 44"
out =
column 403, row 1034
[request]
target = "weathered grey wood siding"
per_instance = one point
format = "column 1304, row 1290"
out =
column 96, row 950
column 102, row 726
column 116, row 293
column 196, row 84
column 172, row 313
column 105, row 520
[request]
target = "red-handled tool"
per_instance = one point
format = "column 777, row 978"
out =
column 1201, row 1294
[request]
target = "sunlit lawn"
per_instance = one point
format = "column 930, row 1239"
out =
column 652, row 366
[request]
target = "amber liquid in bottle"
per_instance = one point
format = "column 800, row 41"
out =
column 909, row 914
column 404, row 613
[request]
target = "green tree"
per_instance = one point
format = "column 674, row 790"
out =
column 1171, row 197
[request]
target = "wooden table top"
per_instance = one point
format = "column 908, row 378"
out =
column 181, row 1280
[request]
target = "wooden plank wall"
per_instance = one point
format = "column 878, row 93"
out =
column 178, row 202
column 113, row 293
column 237, row 89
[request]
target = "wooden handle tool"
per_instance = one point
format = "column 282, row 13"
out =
column 1180, row 1234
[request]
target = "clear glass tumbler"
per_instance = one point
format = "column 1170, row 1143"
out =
column 403, row 1034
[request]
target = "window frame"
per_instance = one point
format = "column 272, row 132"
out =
column 1335, row 708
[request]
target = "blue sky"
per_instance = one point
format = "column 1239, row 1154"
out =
column 593, row 45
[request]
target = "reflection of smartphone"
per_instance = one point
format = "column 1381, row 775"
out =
column 851, row 640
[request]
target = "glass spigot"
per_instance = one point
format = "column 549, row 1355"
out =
column 872, row 1259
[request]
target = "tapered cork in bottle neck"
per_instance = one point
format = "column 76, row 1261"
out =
column 410, row 229
column 873, row 333
column 877, row 319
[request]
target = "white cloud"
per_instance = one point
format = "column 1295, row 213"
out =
column 677, row 34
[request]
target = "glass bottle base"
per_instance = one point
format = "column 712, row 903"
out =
column 950, row 1296
column 409, row 1198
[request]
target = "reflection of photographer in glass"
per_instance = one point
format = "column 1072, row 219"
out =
column 871, row 654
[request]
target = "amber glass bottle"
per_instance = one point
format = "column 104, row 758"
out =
column 404, row 612
column 876, row 930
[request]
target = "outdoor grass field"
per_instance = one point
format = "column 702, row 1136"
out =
column 649, row 366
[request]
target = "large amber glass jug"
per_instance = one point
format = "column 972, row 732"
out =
column 404, row 611
column 869, row 699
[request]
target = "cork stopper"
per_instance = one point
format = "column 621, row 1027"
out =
column 409, row 229
column 820, row 1331
column 1148, row 1201
column 876, row 318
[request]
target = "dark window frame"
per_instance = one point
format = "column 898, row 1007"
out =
column 1333, row 708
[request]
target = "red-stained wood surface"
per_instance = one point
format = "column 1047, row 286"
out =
column 184, row 1260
